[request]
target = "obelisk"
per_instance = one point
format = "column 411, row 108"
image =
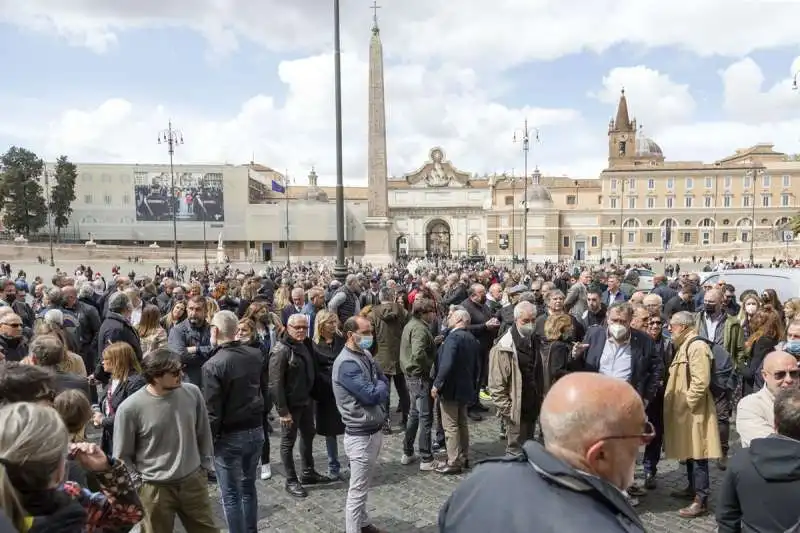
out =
column 377, row 226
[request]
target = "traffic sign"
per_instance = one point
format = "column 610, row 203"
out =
column 788, row 236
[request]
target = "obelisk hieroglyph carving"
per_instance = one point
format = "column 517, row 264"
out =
column 377, row 224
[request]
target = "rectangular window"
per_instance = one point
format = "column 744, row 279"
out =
column 687, row 237
column 670, row 202
column 107, row 199
column 651, row 203
column 785, row 200
column 746, row 201
column 689, row 183
column 509, row 200
column 709, row 182
column 724, row 236
column 670, row 183
column 688, row 201
column 87, row 198
column 613, row 184
column 651, row 184
column 708, row 201
column 631, row 237
column 631, row 184
column 594, row 241
column 126, row 199
column 728, row 181
column 649, row 237
column 612, row 203
column 726, row 201
column 765, row 200
column 140, row 177
column 599, row 199
column 572, row 199
column 766, row 181
column 504, row 222
column 632, row 203
column 787, row 180
column 746, row 181
column 745, row 237
column 566, row 242
column 611, row 238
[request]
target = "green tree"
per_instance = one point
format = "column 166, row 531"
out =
column 24, row 208
column 795, row 224
column 62, row 193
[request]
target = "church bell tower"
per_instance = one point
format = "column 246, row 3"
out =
column 621, row 136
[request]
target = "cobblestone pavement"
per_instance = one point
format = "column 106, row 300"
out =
column 404, row 500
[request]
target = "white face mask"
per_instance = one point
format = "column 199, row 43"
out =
column 617, row 331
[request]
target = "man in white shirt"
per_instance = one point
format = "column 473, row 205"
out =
column 755, row 416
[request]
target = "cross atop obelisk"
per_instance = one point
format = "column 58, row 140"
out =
column 375, row 7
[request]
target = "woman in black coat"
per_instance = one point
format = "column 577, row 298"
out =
column 328, row 342
column 120, row 361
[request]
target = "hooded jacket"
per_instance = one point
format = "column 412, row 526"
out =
column 761, row 488
column 545, row 493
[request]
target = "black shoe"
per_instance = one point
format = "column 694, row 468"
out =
column 438, row 446
column 295, row 489
column 387, row 428
column 314, row 478
column 449, row 470
column 475, row 416
column 650, row 481
column 398, row 410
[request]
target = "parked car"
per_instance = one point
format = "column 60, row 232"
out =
column 785, row 281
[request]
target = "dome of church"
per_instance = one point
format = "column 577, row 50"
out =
column 646, row 147
column 538, row 195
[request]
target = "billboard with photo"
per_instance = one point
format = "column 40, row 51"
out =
column 198, row 196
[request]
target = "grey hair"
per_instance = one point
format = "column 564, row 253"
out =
column 653, row 299
column 350, row 279
column 523, row 307
column 85, row 290
column 682, row 318
column 555, row 292
column 119, row 302
column 54, row 316
column 226, row 323
column 54, row 296
column 461, row 315
column 33, row 445
column 787, row 413
column 623, row 307
column 298, row 291
column 297, row 316
column 386, row 295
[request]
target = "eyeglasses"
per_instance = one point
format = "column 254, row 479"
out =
column 780, row 375
column 647, row 435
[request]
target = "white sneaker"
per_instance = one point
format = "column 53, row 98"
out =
column 266, row 472
column 408, row 459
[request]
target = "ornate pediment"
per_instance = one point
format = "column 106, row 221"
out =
column 438, row 172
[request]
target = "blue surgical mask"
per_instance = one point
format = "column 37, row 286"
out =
column 365, row 342
column 793, row 347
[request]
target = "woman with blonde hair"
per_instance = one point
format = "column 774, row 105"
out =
column 328, row 342
column 34, row 447
column 212, row 308
column 556, row 352
column 151, row 335
column 119, row 360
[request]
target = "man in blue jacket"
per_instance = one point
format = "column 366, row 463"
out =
column 361, row 390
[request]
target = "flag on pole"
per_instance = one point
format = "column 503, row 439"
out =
column 277, row 187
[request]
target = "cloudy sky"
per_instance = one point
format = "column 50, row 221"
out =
column 97, row 79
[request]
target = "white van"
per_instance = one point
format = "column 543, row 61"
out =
column 785, row 281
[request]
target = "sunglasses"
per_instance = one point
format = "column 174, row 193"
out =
column 647, row 435
column 655, row 323
column 780, row 375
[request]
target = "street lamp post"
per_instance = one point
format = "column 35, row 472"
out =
column 513, row 218
column 621, row 221
column 205, row 241
column 525, row 140
column 172, row 137
column 49, row 215
column 339, row 269
column 754, row 173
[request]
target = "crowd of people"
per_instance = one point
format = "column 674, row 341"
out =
column 122, row 398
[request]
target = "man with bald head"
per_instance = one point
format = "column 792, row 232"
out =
column 724, row 330
column 593, row 426
column 755, row 413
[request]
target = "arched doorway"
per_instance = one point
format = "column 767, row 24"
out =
column 437, row 238
column 474, row 246
column 401, row 246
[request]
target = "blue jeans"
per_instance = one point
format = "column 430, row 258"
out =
column 332, row 447
column 236, row 458
column 420, row 419
column 697, row 472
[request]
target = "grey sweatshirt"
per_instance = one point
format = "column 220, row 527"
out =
column 164, row 438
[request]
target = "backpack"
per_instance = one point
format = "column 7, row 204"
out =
column 722, row 368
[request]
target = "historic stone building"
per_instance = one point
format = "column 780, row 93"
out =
column 640, row 205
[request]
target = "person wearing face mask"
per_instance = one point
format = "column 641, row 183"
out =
column 513, row 383
column 754, row 414
column 792, row 344
column 361, row 391
column 690, row 414
column 750, row 305
column 593, row 426
column 717, row 326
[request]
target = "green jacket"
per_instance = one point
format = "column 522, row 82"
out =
column 417, row 349
column 732, row 338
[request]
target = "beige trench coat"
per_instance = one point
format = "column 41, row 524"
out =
column 505, row 379
column 690, row 417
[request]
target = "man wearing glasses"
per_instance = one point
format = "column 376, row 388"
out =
column 755, row 413
column 12, row 344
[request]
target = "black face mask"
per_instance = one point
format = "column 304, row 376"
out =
column 10, row 297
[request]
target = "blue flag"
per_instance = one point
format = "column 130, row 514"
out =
column 277, row 187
